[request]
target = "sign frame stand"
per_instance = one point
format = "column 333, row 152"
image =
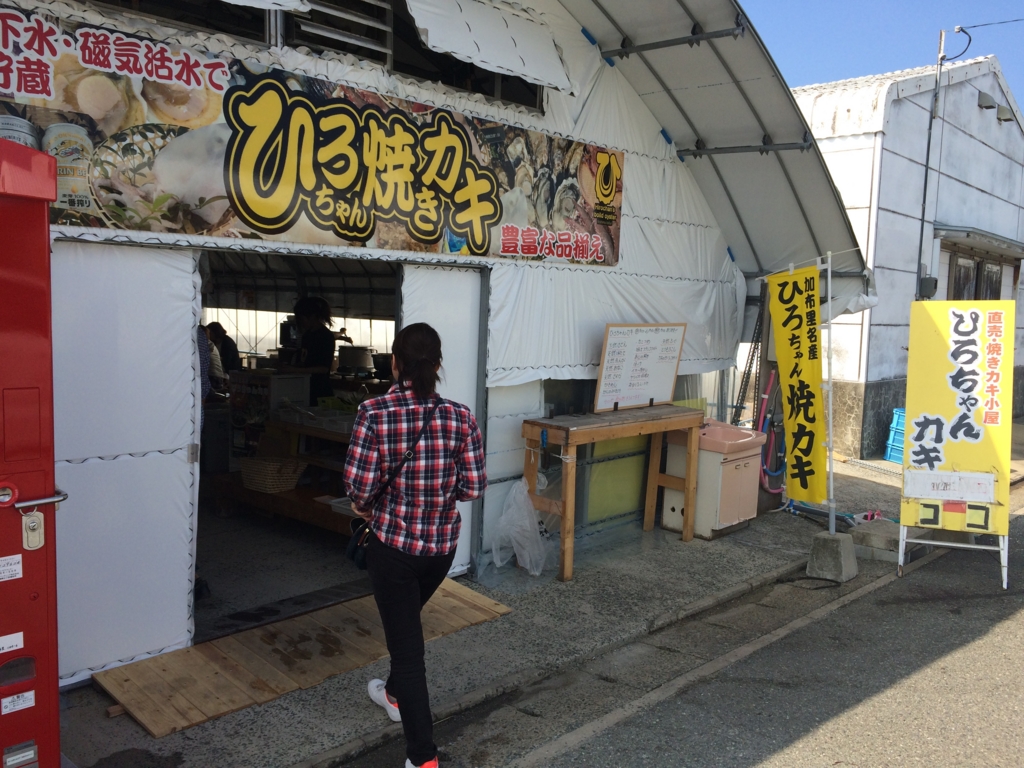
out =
column 1003, row 548
column 957, row 478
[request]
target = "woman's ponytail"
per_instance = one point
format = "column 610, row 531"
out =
column 417, row 351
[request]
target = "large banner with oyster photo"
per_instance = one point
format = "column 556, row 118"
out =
column 153, row 137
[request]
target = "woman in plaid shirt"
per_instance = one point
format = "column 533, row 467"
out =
column 414, row 523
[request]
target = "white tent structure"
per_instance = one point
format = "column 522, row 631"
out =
column 707, row 78
column 721, row 183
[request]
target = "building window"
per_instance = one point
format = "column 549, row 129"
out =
column 205, row 15
column 371, row 30
column 413, row 58
column 975, row 278
column 358, row 27
column 385, row 32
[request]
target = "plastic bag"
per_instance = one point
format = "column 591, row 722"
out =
column 519, row 532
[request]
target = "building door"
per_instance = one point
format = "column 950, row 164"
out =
column 449, row 299
column 29, row 713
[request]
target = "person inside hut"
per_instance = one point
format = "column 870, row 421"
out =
column 316, row 349
column 229, row 357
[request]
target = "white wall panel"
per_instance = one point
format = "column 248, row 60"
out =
column 895, row 294
column 123, row 342
column 521, row 399
column 1007, row 291
column 978, row 165
column 860, row 219
column 901, row 183
column 851, row 171
column 449, row 299
column 897, row 237
column 961, row 110
column 522, row 346
column 887, row 352
column 126, row 385
column 943, row 291
column 846, row 356
column 906, row 131
column 125, row 540
column 962, row 205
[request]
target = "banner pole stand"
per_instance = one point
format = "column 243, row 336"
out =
column 833, row 555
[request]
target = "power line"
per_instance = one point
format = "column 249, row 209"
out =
column 993, row 24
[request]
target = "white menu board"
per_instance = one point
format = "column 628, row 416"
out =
column 638, row 365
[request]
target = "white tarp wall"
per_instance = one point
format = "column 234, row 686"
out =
column 126, row 394
column 496, row 39
column 449, row 300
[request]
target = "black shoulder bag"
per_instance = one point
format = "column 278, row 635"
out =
column 356, row 549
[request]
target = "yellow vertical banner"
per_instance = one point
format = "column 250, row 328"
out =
column 958, row 423
column 793, row 302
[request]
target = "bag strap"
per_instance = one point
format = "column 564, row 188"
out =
column 409, row 453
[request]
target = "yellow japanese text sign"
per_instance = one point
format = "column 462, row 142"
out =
column 956, row 451
column 794, row 308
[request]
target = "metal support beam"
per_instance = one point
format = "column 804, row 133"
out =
column 691, row 40
column 765, row 148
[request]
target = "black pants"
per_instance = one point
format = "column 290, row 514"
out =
column 402, row 585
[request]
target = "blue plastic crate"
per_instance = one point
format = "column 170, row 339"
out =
column 899, row 416
column 894, row 452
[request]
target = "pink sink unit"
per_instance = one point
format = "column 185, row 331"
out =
column 727, row 472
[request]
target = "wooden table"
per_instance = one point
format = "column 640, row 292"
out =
column 571, row 431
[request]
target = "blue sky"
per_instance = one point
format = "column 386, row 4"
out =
column 823, row 40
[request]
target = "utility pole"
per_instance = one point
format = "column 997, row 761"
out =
column 927, row 160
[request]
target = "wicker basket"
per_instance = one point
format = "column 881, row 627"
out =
column 271, row 475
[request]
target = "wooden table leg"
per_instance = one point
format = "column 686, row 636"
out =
column 690, row 495
column 653, row 470
column 530, row 463
column 568, row 512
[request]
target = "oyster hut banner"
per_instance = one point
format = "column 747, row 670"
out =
column 153, row 137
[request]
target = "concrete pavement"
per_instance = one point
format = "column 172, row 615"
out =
column 917, row 671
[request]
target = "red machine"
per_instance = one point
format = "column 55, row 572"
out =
column 29, row 707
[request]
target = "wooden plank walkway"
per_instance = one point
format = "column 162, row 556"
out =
column 177, row 690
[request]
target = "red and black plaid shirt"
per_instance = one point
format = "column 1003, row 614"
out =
column 416, row 514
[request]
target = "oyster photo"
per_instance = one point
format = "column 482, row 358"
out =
column 109, row 99
column 175, row 104
column 131, row 181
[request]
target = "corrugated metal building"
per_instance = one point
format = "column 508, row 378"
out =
column 873, row 132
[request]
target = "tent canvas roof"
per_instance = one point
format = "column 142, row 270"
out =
column 774, row 208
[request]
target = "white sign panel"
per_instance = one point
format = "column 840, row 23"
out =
column 17, row 702
column 10, row 567
column 12, row 642
column 949, row 486
column 639, row 364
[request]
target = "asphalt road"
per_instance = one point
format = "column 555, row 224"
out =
column 920, row 671
column 925, row 671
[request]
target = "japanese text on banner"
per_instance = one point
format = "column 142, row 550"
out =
column 793, row 301
column 959, row 395
column 155, row 137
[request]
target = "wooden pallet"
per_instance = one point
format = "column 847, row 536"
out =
column 177, row 690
